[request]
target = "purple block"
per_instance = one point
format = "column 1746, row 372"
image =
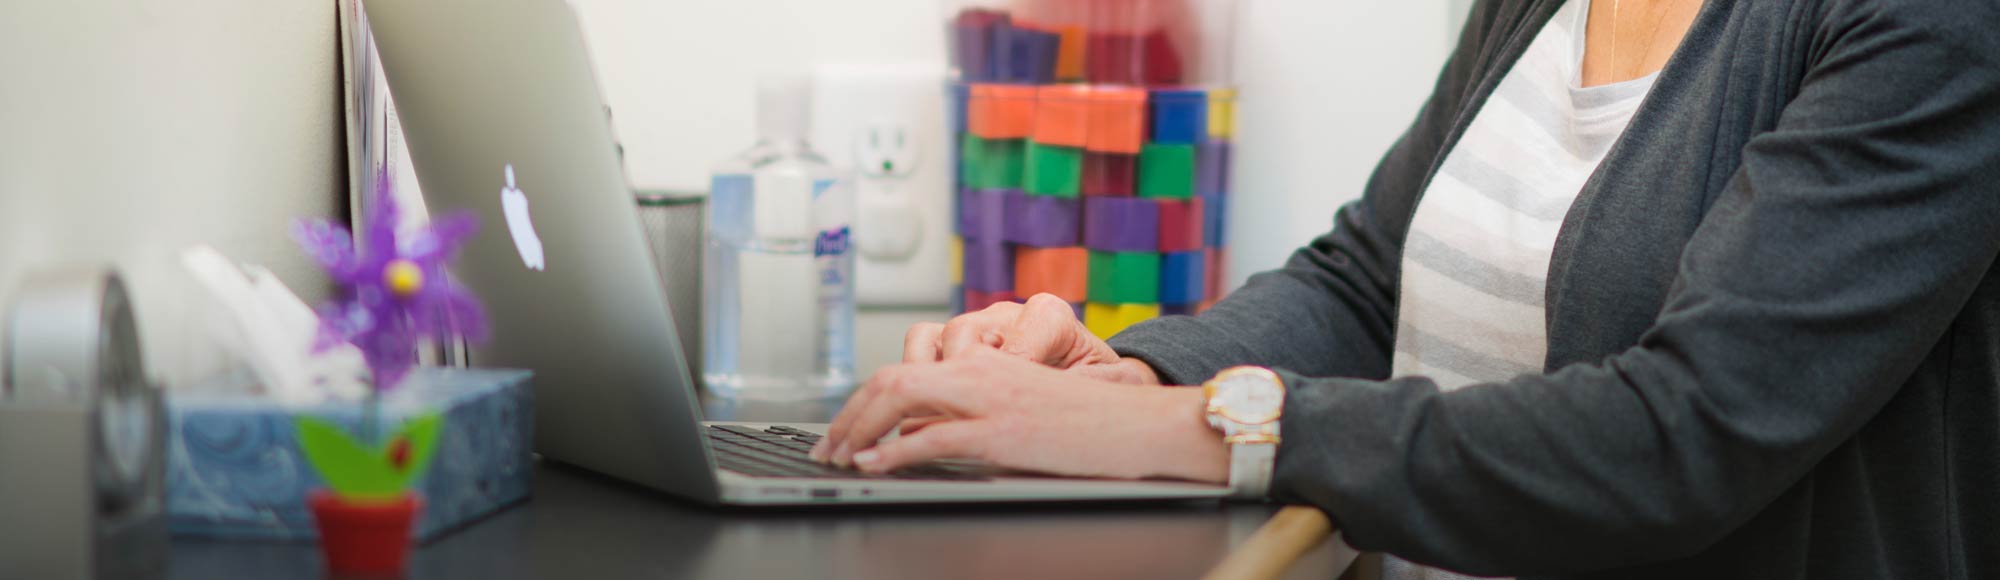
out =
column 956, row 98
column 1078, row 307
column 1179, row 309
column 982, row 213
column 1121, row 224
column 1211, row 168
column 1024, row 55
column 989, row 266
column 973, row 34
column 1043, row 221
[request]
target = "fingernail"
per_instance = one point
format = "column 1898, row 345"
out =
column 840, row 455
column 818, row 452
column 867, row 459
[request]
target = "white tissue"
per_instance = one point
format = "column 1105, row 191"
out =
column 259, row 321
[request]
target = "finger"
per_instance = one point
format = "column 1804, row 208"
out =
column 977, row 329
column 836, row 433
column 946, row 440
column 1043, row 331
column 916, row 424
column 923, row 392
column 920, row 344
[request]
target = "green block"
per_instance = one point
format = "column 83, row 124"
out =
column 1054, row 170
column 1166, row 171
column 991, row 163
column 1124, row 277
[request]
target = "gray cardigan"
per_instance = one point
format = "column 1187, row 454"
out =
column 1773, row 320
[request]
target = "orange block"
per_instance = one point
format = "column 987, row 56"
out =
column 1062, row 115
column 1001, row 111
column 1064, row 272
column 1117, row 120
column 1069, row 52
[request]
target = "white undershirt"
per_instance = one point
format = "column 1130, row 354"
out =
column 1476, row 262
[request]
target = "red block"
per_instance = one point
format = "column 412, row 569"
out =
column 1181, row 225
column 976, row 301
column 1108, row 173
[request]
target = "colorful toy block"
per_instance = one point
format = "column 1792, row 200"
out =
column 1124, row 277
column 1108, row 174
column 1001, row 111
column 1117, row 120
column 1182, row 225
column 1077, row 307
column 1054, row 170
column 1180, row 309
column 1121, row 224
column 1105, row 320
column 972, row 42
column 956, row 302
column 976, row 301
column 1214, row 208
column 1042, row 221
column 1183, row 277
column 990, row 163
column 1062, row 115
column 1131, row 59
column 989, row 266
column 955, row 260
column 1221, row 114
column 1026, row 54
column 1218, row 260
column 1063, row 272
column 1180, row 116
column 1166, row 171
column 982, row 213
column 1211, row 167
column 1162, row 64
column 1069, row 53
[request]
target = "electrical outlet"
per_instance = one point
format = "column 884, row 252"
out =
column 884, row 126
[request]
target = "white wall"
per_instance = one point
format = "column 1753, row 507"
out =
column 1326, row 86
column 131, row 129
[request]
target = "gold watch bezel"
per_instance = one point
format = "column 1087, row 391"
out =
column 1215, row 408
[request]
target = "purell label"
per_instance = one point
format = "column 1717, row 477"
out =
column 831, row 242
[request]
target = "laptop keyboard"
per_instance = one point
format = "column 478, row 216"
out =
column 783, row 452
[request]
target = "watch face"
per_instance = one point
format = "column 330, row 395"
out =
column 1250, row 396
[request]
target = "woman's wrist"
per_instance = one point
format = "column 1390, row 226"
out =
column 1183, row 445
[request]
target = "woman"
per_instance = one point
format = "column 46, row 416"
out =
column 1745, row 324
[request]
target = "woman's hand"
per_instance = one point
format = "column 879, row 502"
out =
column 1014, row 413
column 1044, row 330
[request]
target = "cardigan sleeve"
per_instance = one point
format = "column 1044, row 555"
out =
column 1837, row 255
column 1330, row 310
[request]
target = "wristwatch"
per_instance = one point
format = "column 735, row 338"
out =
column 1244, row 403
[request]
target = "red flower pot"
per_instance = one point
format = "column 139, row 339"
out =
column 369, row 538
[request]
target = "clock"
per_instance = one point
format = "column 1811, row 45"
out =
column 81, row 433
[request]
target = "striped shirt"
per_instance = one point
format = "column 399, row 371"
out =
column 1476, row 262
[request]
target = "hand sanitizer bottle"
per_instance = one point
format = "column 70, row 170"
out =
column 778, row 273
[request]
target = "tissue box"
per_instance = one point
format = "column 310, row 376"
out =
column 235, row 470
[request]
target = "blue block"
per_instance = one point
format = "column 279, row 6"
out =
column 1214, row 207
column 1024, row 55
column 1182, row 279
column 1180, row 116
column 1178, row 309
column 235, row 470
column 956, row 97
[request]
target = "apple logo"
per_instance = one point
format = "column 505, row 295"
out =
column 514, row 204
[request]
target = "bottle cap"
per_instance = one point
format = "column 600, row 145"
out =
column 782, row 106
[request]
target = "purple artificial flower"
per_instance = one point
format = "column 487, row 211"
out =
column 392, row 290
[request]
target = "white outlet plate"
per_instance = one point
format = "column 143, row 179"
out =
column 883, row 126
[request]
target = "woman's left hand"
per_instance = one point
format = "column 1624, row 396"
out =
column 1016, row 413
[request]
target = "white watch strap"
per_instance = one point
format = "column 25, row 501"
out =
column 1250, row 466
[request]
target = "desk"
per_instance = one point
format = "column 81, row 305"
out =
column 581, row 525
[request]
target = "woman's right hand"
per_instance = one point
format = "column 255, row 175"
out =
column 1044, row 330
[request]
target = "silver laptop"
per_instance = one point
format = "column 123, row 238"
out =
column 503, row 118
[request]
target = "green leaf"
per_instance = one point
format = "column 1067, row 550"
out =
column 422, row 433
column 351, row 469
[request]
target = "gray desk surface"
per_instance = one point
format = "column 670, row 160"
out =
column 580, row 525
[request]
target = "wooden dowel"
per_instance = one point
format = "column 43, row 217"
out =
column 1289, row 534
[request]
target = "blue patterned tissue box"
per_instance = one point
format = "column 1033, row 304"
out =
column 234, row 468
